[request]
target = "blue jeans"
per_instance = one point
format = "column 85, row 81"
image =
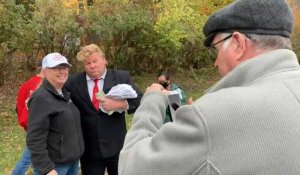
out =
column 23, row 164
column 67, row 169
column 70, row 169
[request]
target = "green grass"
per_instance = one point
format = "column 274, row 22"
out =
column 12, row 137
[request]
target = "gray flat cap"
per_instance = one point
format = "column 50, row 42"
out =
column 265, row 17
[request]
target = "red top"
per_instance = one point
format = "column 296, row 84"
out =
column 24, row 93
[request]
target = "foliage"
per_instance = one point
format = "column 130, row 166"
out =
column 50, row 28
column 28, row 5
column 157, row 34
column 11, row 135
column 118, row 28
column 172, row 15
column 11, row 30
column 53, row 28
column 296, row 33
column 207, row 7
column 136, row 35
column 140, row 36
column 179, row 28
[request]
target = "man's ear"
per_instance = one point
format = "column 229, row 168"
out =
column 240, row 45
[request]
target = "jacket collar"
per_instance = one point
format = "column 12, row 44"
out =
column 257, row 67
column 51, row 89
column 109, row 81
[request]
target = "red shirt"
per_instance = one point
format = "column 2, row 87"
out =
column 24, row 93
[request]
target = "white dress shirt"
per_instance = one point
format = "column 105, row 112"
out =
column 100, row 83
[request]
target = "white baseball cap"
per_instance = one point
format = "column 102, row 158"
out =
column 54, row 59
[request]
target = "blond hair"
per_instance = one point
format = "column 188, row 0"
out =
column 87, row 50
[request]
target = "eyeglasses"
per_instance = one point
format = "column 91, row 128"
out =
column 59, row 68
column 212, row 49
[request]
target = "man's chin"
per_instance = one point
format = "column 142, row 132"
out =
column 93, row 75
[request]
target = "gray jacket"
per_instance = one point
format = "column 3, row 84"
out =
column 248, row 123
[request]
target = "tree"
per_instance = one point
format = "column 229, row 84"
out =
column 11, row 32
column 137, row 35
column 118, row 27
column 55, row 29
column 90, row 2
column 179, row 27
column 28, row 5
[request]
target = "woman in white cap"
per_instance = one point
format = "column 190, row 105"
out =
column 54, row 135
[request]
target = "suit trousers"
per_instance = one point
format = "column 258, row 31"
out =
column 98, row 166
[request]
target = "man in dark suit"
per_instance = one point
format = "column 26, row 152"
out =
column 103, row 134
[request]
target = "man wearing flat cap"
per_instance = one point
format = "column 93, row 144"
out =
column 247, row 123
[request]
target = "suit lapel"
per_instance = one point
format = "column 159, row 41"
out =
column 82, row 89
column 109, row 81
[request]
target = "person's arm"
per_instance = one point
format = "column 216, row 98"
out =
column 23, row 95
column 129, row 105
column 37, row 133
column 113, row 105
column 152, row 148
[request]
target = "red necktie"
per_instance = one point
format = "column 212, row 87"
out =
column 95, row 90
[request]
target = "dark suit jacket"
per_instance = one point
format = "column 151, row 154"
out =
column 103, row 134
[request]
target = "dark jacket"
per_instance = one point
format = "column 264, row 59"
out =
column 103, row 134
column 54, row 129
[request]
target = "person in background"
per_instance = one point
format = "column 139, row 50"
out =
column 24, row 93
column 103, row 134
column 163, row 78
column 54, row 135
column 247, row 123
